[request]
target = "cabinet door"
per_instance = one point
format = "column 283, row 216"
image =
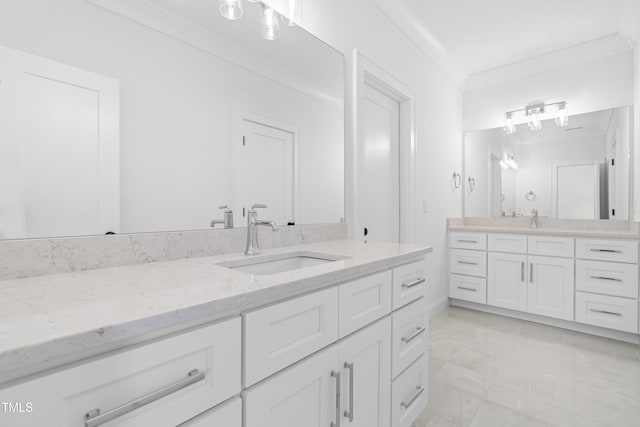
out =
column 227, row 415
column 551, row 289
column 365, row 363
column 506, row 281
column 303, row 395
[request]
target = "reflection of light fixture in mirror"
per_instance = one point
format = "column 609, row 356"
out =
column 509, row 162
column 533, row 113
column 509, row 126
column 562, row 115
column 231, row 9
column 270, row 26
column 292, row 14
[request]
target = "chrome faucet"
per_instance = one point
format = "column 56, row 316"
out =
column 228, row 218
column 534, row 219
column 253, row 246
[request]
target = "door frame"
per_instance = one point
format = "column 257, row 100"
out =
column 238, row 117
column 365, row 72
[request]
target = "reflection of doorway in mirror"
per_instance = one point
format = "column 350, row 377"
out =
column 496, row 192
column 612, row 174
column 575, row 192
column 266, row 169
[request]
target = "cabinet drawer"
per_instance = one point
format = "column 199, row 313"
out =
column 410, row 335
column 471, row 263
column 363, row 301
column 607, row 250
column 468, row 288
column 513, row 243
column 279, row 335
column 609, row 278
column 409, row 394
column 227, row 415
column 551, row 246
column 155, row 371
column 409, row 283
column 607, row 312
column 463, row 240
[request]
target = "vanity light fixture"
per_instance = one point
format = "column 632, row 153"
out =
column 231, row 9
column 269, row 23
column 269, row 18
column 534, row 114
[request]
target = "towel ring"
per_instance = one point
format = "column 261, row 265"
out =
column 530, row 196
column 457, row 180
column 472, row 184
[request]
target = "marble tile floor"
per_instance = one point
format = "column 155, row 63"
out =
column 491, row 371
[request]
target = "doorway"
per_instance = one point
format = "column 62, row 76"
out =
column 383, row 156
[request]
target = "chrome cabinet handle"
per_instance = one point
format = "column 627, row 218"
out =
column 414, row 283
column 467, row 263
column 466, row 289
column 406, row 405
column 336, row 375
column 413, row 336
column 349, row 413
column 531, row 273
column 613, row 279
column 467, row 241
column 97, row 418
column 613, row 313
column 610, row 251
column 522, row 272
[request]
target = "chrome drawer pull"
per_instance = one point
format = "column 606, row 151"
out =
column 336, row 375
column 522, row 272
column 467, row 241
column 613, row 313
column 613, row 279
column 609, row 251
column 467, row 263
column 414, row 283
column 349, row 413
column 467, row 289
column 406, row 405
column 414, row 335
column 97, row 418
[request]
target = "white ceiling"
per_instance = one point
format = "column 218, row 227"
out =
column 483, row 35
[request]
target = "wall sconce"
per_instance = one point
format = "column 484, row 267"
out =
column 534, row 114
column 509, row 162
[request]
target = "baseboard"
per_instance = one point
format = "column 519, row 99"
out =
column 564, row 324
column 438, row 306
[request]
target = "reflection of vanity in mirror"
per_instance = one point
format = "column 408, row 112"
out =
column 109, row 127
column 577, row 171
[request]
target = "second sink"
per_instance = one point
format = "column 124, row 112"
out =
column 273, row 264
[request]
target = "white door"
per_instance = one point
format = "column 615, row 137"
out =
column 576, row 190
column 506, row 281
column 378, row 204
column 59, row 158
column 496, row 187
column 551, row 287
column 365, row 362
column 303, row 395
column 264, row 172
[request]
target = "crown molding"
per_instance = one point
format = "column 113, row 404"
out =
column 585, row 52
column 407, row 22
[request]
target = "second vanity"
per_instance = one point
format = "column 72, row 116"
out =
column 580, row 280
column 343, row 342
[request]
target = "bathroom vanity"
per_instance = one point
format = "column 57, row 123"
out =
column 576, row 279
column 201, row 342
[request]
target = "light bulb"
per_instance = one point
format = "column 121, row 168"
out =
column 562, row 115
column 509, row 127
column 270, row 26
column 293, row 13
column 535, row 124
column 231, row 9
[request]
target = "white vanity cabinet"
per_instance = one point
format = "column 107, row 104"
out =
column 164, row 383
column 507, row 281
column 550, row 289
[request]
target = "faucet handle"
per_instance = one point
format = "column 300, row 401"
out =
column 225, row 207
column 259, row 206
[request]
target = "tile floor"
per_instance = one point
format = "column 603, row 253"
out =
column 488, row 370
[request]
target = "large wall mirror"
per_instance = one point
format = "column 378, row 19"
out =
column 581, row 171
column 133, row 116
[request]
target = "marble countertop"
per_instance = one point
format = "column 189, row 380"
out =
column 571, row 232
column 49, row 321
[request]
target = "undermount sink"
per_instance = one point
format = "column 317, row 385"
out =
column 279, row 263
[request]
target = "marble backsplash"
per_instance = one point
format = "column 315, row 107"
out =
column 549, row 223
column 37, row 257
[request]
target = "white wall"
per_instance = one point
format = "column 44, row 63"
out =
column 359, row 24
column 636, row 134
column 592, row 86
column 176, row 114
